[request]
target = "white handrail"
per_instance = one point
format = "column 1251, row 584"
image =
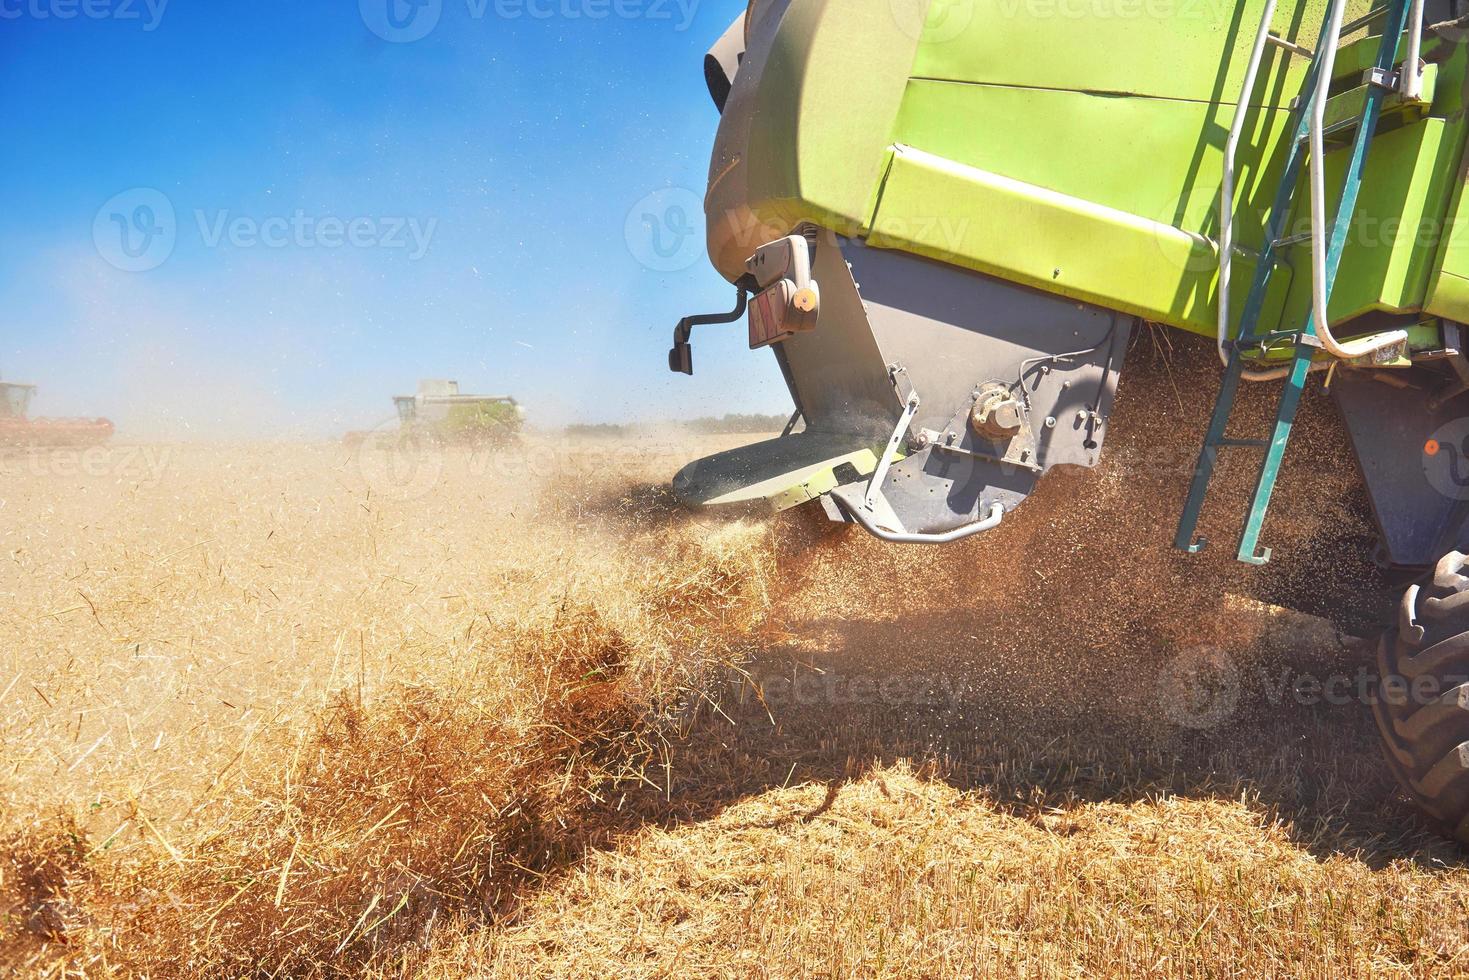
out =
column 1410, row 83
column 1326, row 52
column 1226, row 185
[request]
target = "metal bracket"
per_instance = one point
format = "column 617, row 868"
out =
column 900, row 432
column 873, row 502
column 681, row 355
column 1020, row 454
column 1267, row 342
column 1381, row 78
column 904, row 390
column 791, row 423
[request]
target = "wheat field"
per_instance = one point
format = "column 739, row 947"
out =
column 305, row 710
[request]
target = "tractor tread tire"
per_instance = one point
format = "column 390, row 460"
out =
column 1422, row 702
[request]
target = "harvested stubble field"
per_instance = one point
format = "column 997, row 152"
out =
column 281, row 710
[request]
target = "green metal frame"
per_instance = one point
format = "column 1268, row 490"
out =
column 1249, row 338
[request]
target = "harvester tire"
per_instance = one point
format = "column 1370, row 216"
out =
column 1422, row 700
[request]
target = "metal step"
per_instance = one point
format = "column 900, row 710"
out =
column 1356, row 113
column 1344, row 110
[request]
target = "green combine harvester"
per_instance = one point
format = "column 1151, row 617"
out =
column 947, row 217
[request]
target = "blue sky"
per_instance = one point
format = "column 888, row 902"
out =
column 350, row 213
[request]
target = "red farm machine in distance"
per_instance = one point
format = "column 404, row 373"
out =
column 19, row 431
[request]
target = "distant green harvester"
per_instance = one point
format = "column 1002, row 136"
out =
column 439, row 410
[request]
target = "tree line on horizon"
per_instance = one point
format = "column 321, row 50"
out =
column 729, row 424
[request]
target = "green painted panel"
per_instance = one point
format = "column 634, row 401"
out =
column 1448, row 291
column 1393, row 240
column 1092, row 145
column 1070, row 246
column 831, row 89
column 1177, row 49
column 805, row 135
column 1449, row 297
column 1157, row 158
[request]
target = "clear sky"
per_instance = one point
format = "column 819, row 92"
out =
column 252, row 217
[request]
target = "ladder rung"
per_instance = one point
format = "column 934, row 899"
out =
column 1332, row 130
column 1365, row 19
column 1290, row 46
column 1304, row 236
column 1298, row 338
column 1249, row 341
column 1247, row 443
column 1344, row 110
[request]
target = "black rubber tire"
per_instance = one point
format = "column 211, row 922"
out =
column 1422, row 702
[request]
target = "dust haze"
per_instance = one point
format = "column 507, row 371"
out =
column 327, row 707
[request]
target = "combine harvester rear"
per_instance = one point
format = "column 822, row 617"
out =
column 946, row 219
column 18, row 431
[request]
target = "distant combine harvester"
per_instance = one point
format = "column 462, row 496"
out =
column 19, row 431
column 439, row 412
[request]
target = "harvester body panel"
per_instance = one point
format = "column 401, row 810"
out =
column 1076, row 153
column 995, row 193
column 1055, row 170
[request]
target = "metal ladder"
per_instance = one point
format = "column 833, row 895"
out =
column 1327, row 242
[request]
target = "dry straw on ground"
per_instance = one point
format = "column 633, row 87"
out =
column 274, row 711
column 269, row 753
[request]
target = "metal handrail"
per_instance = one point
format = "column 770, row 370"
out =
column 1226, row 185
column 989, row 523
column 1410, row 84
column 1316, row 165
column 1410, row 80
